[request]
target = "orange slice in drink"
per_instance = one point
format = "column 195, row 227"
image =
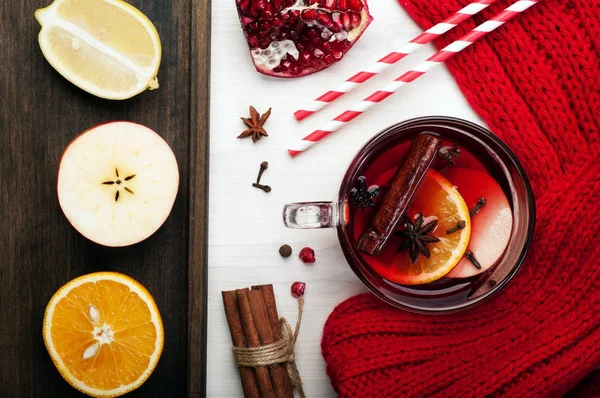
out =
column 436, row 199
column 104, row 333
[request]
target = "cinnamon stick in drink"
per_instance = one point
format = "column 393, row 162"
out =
column 238, row 339
column 279, row 375
column 281, row 381
column 396, row 199
column 252, row 339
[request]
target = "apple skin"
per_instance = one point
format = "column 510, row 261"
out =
column 152, row 220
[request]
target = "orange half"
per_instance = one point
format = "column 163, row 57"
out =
column 104, row 333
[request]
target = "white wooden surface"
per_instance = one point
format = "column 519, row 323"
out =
column 245, row 229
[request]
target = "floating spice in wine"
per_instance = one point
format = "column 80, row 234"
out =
column 416, row 237
column 480, row 203
column 459, row 226
column 362, row 196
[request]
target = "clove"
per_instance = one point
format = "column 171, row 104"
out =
column 263, row 166
column 469, row 255
column 459, row 225
column 265, row 188
column 480, row 203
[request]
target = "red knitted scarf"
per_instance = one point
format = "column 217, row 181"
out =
column 536, row 83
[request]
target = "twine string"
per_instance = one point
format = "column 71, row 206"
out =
column 281, row 351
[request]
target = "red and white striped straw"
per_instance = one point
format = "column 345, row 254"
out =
column 424, row 38
column 443, row 55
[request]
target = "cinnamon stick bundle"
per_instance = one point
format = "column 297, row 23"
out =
column 253, row 322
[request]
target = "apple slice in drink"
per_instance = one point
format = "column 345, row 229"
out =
column 490, row 227
column 117, row 183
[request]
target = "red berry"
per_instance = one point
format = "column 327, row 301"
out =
column 307, row 255
column 298, row 289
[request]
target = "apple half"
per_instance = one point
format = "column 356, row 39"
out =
column 117, row 183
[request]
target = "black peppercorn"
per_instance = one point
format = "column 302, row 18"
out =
column 285, row 251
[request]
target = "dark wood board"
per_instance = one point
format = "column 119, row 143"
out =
column 40, row 113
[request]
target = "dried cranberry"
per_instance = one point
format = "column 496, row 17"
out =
column 297, row 289
column 307, row 255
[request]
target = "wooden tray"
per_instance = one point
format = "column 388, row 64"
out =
column 40, row 113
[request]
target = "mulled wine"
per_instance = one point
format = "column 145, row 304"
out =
column 433, row 215
column 455, row 229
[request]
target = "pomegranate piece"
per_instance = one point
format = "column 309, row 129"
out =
column 292, row 38
column 307, row 255
column 490, row 227
column 297, row 289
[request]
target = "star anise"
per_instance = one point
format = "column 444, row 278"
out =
column 361, row 196
column 416, row 237
column 255, row 125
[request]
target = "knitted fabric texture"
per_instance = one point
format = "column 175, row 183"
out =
column 536, row 83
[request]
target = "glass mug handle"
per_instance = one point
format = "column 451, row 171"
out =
column 311, row 215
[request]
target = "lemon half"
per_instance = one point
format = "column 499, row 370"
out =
column 105, row 47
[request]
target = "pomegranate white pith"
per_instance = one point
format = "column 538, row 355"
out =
column 292, row 38
column 117, row 183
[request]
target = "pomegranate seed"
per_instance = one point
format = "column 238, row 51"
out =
column 311, row 34
column 346, row 21
column 304, row 58
column 267, row 14
column 329, row 4
column 355, row 20
column 343, row 5
column 297, row 289
column 265, row 26
column 328, row 59
column 260, row 4
column 244, row 5
column 246, row 21
column 277, row 4
column 307, row 255
column 334, row 28
column 337, row 55
column 309, row 15
column 311, row 2
column 355, row 5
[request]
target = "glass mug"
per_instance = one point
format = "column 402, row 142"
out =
column 499, row 161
